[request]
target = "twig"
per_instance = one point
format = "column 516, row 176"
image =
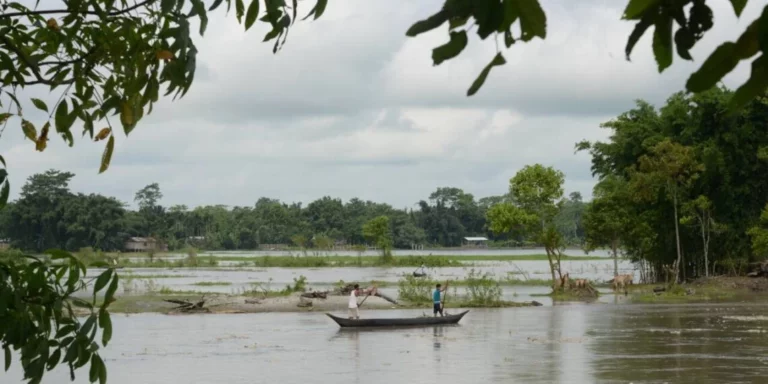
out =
column 93, row 13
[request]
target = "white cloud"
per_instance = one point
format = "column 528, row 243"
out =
column 351, row 107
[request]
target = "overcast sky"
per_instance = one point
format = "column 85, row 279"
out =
column 352, row 108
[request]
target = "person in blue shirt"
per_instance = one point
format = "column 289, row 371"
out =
column 437, row 301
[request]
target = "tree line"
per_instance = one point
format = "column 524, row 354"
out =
column 48, row 215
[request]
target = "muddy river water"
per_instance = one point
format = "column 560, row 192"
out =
column 574, row 343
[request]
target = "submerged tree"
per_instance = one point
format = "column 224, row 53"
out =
column 538, row 191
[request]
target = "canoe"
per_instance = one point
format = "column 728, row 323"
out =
column 398, row 322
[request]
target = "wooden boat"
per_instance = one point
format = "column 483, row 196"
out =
column 398, row 322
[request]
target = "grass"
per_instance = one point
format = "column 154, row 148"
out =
column 211, row 283
column 151, row 276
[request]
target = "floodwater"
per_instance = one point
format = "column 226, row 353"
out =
column 577, row 343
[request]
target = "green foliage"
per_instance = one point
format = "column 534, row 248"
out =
column 416, row 290
column 759, row 235
column 378, row 231
column 607, row 217
column 483, row 289
column 689, row 149
column 38, row 321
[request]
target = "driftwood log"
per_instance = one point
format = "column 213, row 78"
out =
column 186, row 306
column 315, row 295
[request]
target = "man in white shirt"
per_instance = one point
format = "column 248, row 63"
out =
column 353, row 312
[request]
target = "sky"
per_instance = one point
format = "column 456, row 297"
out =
column 351, row 107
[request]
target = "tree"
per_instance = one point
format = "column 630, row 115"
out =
column 378, row 231
column 606, row 218
column 699, row 213
column 759, row 235
column 538, row 191
column 670, row 167
column 37, row 317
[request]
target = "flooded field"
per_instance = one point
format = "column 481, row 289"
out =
column 578, row 343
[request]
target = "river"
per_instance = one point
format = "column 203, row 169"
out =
column 576, row 343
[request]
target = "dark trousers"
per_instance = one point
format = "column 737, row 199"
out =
column 438, row 308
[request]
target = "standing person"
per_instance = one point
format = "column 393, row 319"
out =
column 353, row 312
column 437, row 300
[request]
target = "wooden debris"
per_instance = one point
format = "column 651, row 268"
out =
column 315, row 295
column 186, row 306
column 252, row 301
column 304, row 303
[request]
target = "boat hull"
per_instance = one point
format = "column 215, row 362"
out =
column 397, row 322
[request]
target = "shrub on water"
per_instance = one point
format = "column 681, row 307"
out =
column 483, row 289
column 415, row 290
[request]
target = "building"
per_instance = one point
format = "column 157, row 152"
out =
column 476, row 242
column 144, row 244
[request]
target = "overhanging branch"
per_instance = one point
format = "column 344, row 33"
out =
column 60, row 11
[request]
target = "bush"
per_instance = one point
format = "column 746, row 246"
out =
column 415, row 290
column 483, row 289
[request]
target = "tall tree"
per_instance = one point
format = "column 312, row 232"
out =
column 671, row 168
column 379, row 232
column 606, row 219
column 538, row 190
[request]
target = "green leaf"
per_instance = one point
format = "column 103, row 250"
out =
column 427, row 24
column 215, row 5
column 40, row 104
column 511, row 13
column 320, row 8
column 166, row 6
column 7, row 350
column 508, row 39
column 3, row 117
column 102, row 280
column 240, row 10
column 3, row 175
column 450, row 49
column 81, row 303
column 58, row 254
column 88, row 325
column 199, row 8
column 93, row 373
column 253, row 13
column 111, row 290
column 754, row 86
column 722, row 61
column 29, row 130
column 761, row 30
column 54, row 359
column 105, row 322
column 102, row 371
column 4, row 192
column 662, row 41
column 637, row 33
column 2, row 160
column 107, row 156
column 636, row 8
column 533, row 20
column 738, row 6
column 684, row 41
column 62, row 119
column 497, row 61
column 127, row 116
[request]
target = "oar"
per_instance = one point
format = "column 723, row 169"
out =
column 366, row 298
column 445, row 296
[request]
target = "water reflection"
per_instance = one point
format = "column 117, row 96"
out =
column 559, row 344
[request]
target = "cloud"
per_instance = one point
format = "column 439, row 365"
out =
column 352, row 108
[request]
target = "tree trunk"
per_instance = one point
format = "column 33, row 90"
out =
column 677, row 234
column 615, row 258
column 551, row 268
column 705, row 242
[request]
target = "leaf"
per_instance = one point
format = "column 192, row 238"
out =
column 320, row 8
column 754, row 86
column 427, row 24
column 240, row 9
column 166, row 6
column 738, row 6
column 102, row 280
column 4, row 192
column 636, row 34
column 103, row 134
column 102, row 371
column 636, row 8
column 253, row 13
column 497, row 61
column 42, row 141
column 93, row 373
column 533, row 20
column 88, row 325
column 722, row 61
column 3, row 175
column 215, row 5
column 107, row 156
column 58, row 254
column 126, row 116
column 684, row 41
column 105, row 322
column 54, row 359
column 4, row 117
column 7, row 350
column 111, row 291
column 62, row 117
column 199, row 8
column 662, row 41
column 81, row 303
column 40, row 104
column 508, row 39
column 450, row 49
column 29, row 130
